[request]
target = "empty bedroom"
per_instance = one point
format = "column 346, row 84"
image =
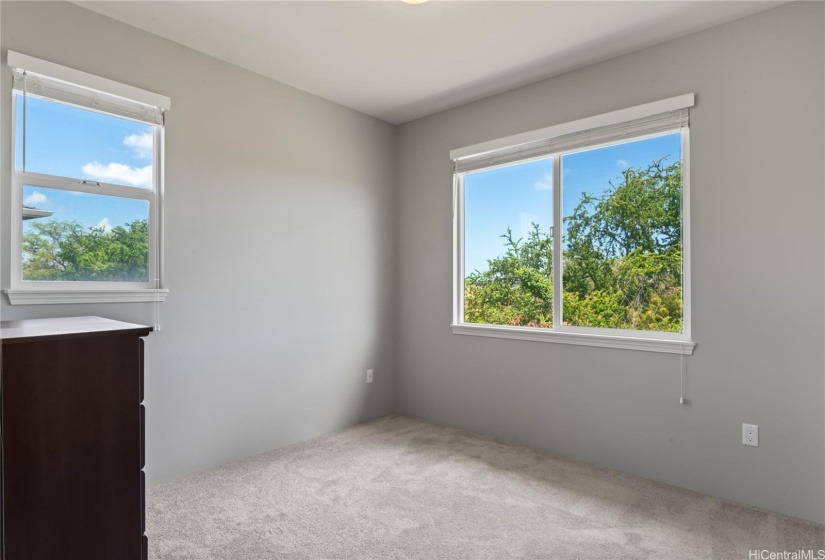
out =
column 412, row 280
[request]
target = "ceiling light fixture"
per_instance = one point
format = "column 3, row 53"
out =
column 413, row 1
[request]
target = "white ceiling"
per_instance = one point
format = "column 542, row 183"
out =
column 399, row 62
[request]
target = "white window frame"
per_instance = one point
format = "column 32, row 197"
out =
column 51, row 292
column 674, row 343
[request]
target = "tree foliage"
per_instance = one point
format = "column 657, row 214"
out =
column 622, row 262
column 517, row 288
column 65, row 250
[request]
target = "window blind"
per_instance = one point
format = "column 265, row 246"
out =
column 648, row 125
column 80, row 96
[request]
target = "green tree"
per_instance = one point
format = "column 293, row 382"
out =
column 517, row 288
column 643, row 212
column 623, row 253
column 65, row 250
column 622, row 262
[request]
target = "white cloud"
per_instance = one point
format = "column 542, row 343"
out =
column 119, row 173
column 104, row 223
column 623, row 164
column 546, row 184
column 35, row 198
column 141, row 144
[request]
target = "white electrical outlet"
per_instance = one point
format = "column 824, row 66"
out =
column 750, row 435
column 369, row 376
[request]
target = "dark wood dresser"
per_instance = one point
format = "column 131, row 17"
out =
column 73, row 487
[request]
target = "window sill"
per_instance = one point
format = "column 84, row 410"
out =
column 41, row 297
column 668, row 346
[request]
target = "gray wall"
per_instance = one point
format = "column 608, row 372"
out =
column 757, row 232
column 279, row 248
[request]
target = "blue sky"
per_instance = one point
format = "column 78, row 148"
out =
column 76, row 143
column 519, row 195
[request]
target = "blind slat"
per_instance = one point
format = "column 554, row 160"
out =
column 654, row 124
column 43, row 86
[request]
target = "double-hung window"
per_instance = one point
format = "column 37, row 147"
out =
column 86, row 187
column 578, row 233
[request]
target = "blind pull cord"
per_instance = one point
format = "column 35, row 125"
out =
column 681, row 379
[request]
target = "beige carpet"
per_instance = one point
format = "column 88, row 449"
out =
column 399, row 488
